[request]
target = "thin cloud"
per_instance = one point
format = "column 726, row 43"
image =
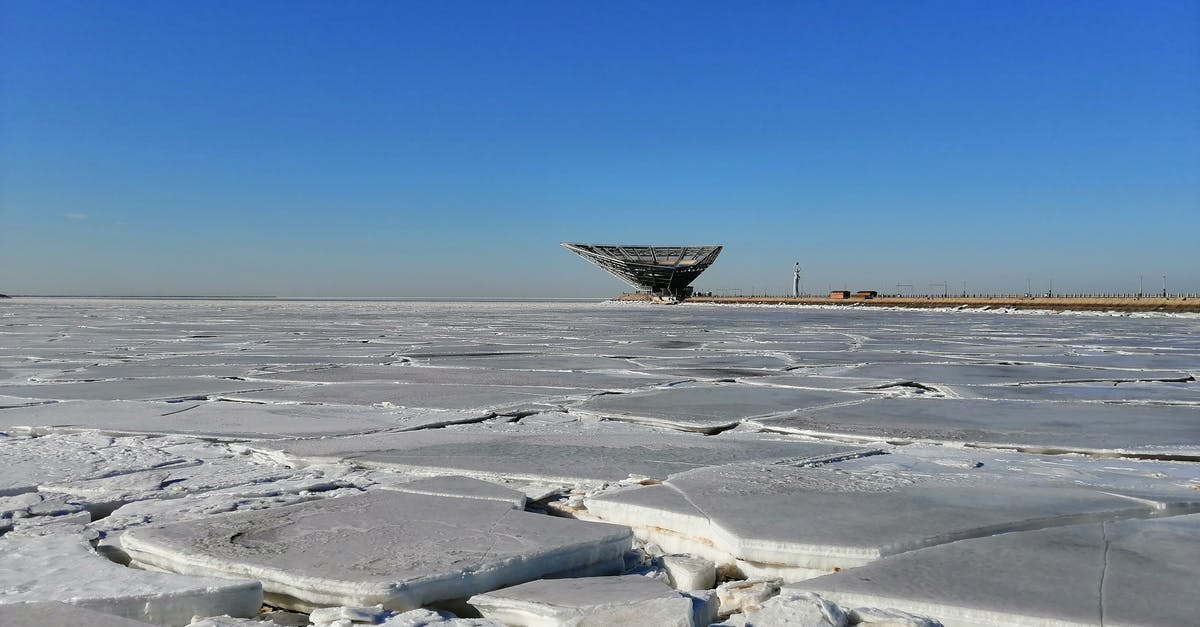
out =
column 75, row 215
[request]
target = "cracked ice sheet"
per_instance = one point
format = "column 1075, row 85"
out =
column 996, row 374
column 477, row 376
column 65, row 568
column 413, row 395
column 1144, row 429
column 30, row 462
column 162, row 389
column 539, row 362
column 565, row 454
column 227, row 420
column 799, row 522
column 396, row 549
column 1129, row 572
column 1154, row 392
column 203, row 467
column 709, row 408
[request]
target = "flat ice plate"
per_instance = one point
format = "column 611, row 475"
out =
column 399, row 549
column 1060, row 426
column 1131, row 572
column 710, row 407
column 570, row 456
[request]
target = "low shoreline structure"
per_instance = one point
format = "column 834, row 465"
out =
column 1056, row 303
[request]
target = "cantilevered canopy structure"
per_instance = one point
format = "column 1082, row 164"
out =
column 664, row 271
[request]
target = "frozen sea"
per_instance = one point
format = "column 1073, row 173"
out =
column 239, row 462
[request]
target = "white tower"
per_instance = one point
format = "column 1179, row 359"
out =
column 796, row 281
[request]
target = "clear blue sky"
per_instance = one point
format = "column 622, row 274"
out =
column 445, row 148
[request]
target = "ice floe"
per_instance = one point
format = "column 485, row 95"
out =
column 1129, row 572
column 571, row 455
column 592, row 601
column 1150, row 429
column 227, row 420
column 709, row 408
column 64, row 568
column 397, row 549
column 802, row 521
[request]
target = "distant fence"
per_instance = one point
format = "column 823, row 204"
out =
column 752, row 293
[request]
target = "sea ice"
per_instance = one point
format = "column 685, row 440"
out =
column 30, row 462
column 1061, row 426
column 590, row 600
column 799, row 522
column 1129, row 572
column 65, row 568
column 161, row 389
column 226, row 420
column 791, row 609
column 476, row 376
column 56, row 614
column 400, row 550
column 999, row 374
column 708, row 408
column 413, row 395
column 455, row 487
column 688, row 572
column 569, row 455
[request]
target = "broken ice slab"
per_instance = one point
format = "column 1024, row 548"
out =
column 1129, row 572
column 244, row 497
column 717, row 359
column 590, row 601
column 146, row 369
column 401, row 550
column 998, row 374
column 453, row 487
column 475, row 376
column 526, row 361
column 65, row 568
column 57, row 614
column 164, row 389
column 709, row 407
column 413, row 395
column 1151, row 392
column 227, row 420
column 799, row 522
column 573, row 455
column 30, row 462
column 1144, row 429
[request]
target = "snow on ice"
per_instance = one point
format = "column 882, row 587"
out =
column 387, row 462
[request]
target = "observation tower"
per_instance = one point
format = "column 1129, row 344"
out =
column 666, row 272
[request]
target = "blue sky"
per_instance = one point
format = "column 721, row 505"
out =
column 445, row 148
